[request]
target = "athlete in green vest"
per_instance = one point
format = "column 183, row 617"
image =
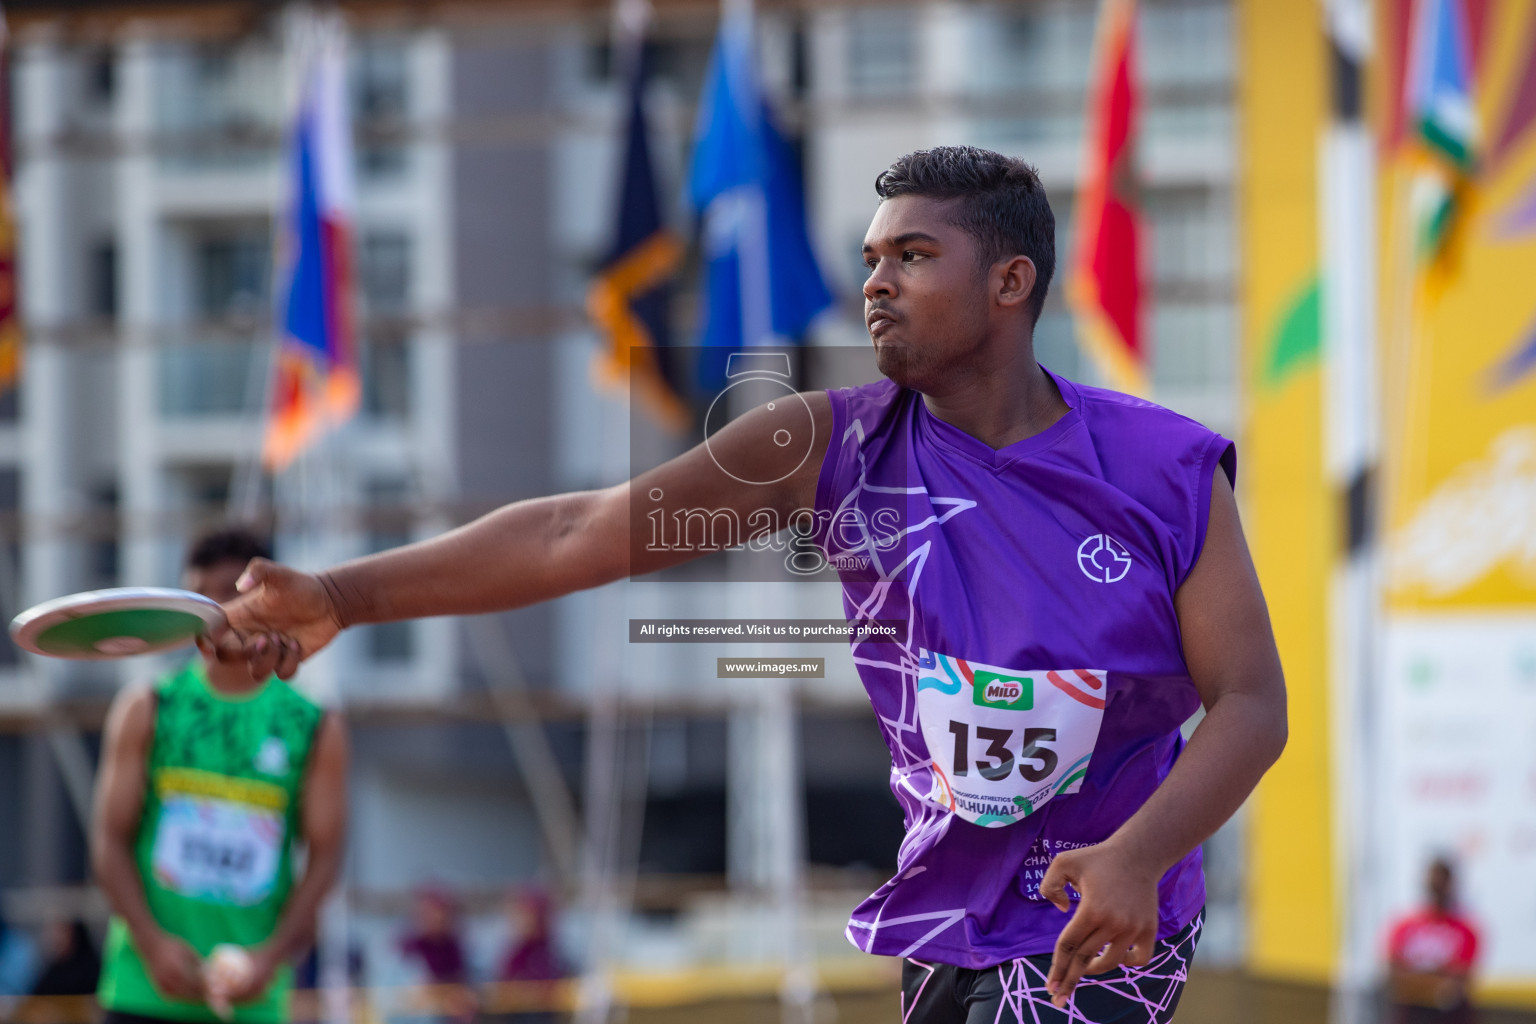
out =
column 209, row 780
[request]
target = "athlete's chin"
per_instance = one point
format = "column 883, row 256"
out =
column 893, row 360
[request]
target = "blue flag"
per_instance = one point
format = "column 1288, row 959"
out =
column 762, row 284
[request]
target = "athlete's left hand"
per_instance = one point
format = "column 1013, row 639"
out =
column 1116, row 919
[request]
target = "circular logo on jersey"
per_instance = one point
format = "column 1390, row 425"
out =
column 272, row 757
column 1103, row 559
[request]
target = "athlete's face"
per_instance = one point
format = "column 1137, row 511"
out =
column 216, row 581
column 925, row 301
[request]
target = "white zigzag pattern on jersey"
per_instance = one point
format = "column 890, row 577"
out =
column 905, row 760
column 1153, row 986
column 944, row 917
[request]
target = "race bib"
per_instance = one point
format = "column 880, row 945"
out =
column 216, row 849
column 1005, row 741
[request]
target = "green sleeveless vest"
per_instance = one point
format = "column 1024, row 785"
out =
column 215, row 842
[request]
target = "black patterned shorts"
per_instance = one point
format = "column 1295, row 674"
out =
column 1014, row 992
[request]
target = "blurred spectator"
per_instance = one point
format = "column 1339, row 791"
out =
column 73, row 966
column 64, row 993
column 434, row 938
column 435, row 942
column 532, row 955
column 1432, row 952
column 18, row 960
column 532, row 963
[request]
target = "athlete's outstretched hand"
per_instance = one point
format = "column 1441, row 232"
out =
column 281, row 617
column 1116, row 919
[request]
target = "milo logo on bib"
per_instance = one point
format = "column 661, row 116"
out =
column 992, row 690
column 1004, row 742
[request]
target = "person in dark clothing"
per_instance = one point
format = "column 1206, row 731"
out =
column 435, row 942
column 532, row 955
column 73, row 966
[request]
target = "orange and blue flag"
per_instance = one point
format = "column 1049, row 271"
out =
column 631, row 297
column 316, row 384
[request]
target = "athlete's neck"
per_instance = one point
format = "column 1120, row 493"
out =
column 231, row 678
column 999, row 405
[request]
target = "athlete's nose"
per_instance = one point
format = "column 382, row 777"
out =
column 879, row 283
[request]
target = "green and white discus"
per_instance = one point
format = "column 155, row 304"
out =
column 117, row 623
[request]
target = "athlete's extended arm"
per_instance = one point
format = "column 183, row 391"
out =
column 1230, row 650
column 529, row 551
column 323, row 825
column 173, row 964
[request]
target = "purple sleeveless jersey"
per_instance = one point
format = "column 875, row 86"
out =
column 1034, row 698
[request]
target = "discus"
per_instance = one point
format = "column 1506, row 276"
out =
column 118, row 623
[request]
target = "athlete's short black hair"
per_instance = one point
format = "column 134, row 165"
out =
column 1001, row 204
column 227, row 544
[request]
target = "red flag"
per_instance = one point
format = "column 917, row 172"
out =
column 1104, row 280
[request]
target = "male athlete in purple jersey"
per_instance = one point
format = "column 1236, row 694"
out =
column 1072, row 583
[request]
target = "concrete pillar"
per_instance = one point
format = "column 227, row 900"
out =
column 139, row 483
column 49, row 492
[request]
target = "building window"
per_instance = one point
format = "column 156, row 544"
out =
column 221, row 369
column 1038, row 46
column 389, row 525
column 100, row 76
column 222, row 105
column 232, row 270
column 381, row 75
column 385, row 276
column 882, row 52
column 101, row 280
column 386, row 271
column 1187, row 43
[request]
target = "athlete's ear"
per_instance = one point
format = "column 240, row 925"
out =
column 1014, row 279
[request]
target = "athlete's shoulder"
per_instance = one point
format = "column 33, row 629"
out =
column 877, row 394
column 1133, row 432
column 294, row 696
column 134, row 707
column 1108, row 408
column 867, row 404
column 188, row 675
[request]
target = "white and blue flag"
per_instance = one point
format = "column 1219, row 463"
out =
column 762, row 284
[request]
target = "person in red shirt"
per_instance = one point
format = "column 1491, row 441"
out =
column 1431, row 952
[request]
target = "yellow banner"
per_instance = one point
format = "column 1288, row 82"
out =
column 1459, row 338
column 1287, row 505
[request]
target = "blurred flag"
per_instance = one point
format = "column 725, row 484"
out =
column 1442, row 120
column 762, row 283
column 10, row 315
column 1104, row 279
column 631, row 296
column 315, row 382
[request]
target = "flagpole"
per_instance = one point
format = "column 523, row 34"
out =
column 1351, row 439
column 244, row 503
column 606, row 715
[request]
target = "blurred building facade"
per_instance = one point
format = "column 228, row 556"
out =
column 149, row 155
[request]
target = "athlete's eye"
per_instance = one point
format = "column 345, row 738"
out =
column 912, row 257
